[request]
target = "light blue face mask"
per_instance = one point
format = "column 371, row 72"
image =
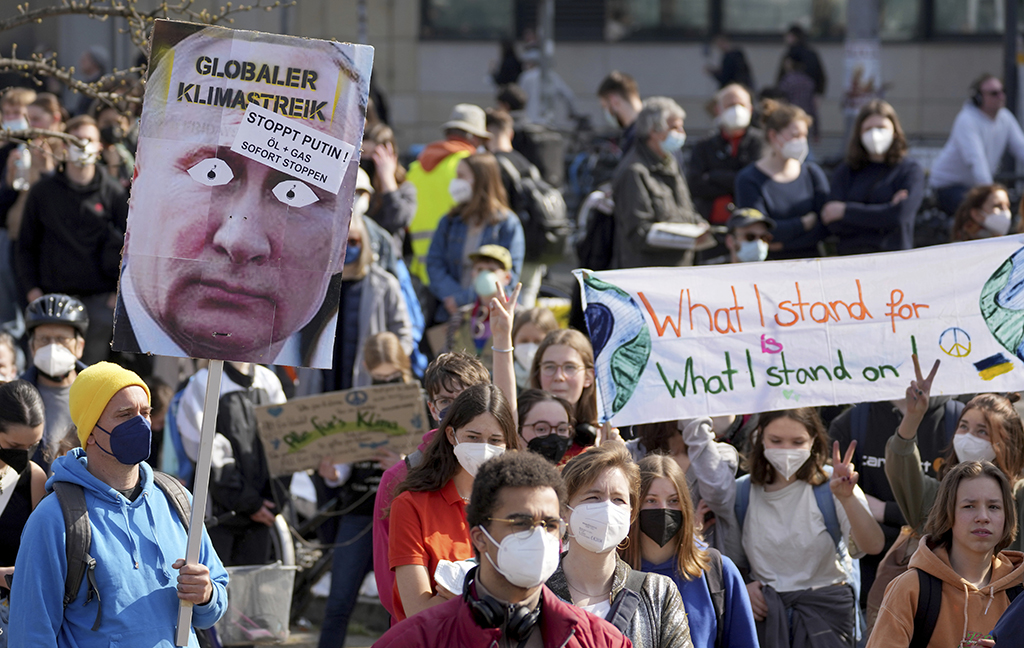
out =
column 673, row 142
column 485, row 284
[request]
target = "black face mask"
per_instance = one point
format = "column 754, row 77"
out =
column 17, row 459
column 111, row 135
column 661, row 525
column 552, row 447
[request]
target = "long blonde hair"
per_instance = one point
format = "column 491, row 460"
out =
column 691, row 561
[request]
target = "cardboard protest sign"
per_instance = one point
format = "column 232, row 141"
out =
column 351, row 425
column 673, row 343
column 243, row 193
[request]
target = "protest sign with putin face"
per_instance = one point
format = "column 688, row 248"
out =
column 242, row 198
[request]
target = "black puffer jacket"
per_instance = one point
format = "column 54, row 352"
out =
column 659, row 620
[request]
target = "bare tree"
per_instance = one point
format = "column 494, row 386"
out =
column 113, row 89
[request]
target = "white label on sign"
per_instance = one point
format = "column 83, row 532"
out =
column 293, row 148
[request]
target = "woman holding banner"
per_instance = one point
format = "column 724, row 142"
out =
column 877, row 190
column 784, row 186
column 801, row 530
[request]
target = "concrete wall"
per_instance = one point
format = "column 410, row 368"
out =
column 424, row 79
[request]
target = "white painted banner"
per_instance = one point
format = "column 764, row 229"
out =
column 674, row 343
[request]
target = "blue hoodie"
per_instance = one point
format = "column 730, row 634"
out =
column 134, row 544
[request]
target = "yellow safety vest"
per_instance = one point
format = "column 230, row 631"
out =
column 432, row 202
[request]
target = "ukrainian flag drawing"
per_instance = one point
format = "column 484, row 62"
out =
column 994, row 365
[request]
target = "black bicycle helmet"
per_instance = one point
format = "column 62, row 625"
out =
column 57, row 309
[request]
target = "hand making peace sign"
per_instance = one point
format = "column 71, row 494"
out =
column 844, row 477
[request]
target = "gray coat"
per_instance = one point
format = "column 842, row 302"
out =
column 659, row 621
column 381, row 308
column 648, row 190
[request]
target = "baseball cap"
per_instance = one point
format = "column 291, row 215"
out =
column 495, row 253
column 748, row 216
column 469, row 118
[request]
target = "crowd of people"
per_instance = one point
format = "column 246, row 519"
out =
column 521, row 519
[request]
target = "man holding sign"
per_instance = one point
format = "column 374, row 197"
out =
column 130, row 593
column 240, row 208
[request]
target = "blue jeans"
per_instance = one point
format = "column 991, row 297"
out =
column 351, row 563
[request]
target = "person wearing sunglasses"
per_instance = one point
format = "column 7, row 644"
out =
column 750, row 232
column 983, row 131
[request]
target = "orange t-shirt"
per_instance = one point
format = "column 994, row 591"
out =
column 426, row 528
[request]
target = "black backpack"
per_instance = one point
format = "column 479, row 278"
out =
column 79, row 533
column 542, row 210
column 929, row 602
column 594, row 247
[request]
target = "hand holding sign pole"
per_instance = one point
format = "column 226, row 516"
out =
column 200, row 490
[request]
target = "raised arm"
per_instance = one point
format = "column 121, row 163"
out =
column 503, row 375
column 866, row 532
column 914, row 491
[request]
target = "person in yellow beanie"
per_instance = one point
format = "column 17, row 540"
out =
column 137, row 539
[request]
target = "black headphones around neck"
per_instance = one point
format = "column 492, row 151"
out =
column 488, row 612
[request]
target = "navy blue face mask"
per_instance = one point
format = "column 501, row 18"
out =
column 352, row 253
column 130, row 441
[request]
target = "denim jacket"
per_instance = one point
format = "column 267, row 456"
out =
column 444, row 260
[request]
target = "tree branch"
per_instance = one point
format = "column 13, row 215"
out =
column 66, row 76
column 29, row 134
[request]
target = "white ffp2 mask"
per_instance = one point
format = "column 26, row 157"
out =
column 526, row 562
column 787, row 461
column 599, row 526
column 970, row 448
column 472, row 455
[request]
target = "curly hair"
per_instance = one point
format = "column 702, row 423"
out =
column 510, row 470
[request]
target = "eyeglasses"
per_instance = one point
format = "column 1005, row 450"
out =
column 442, row 403
column 543, row 428
column 569, row 369
column 43, row 340
column 750, row 236
column 523, row 526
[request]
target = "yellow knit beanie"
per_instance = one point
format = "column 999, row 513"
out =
column 93, row 389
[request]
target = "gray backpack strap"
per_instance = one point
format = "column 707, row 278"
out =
column 78, row 533
column 177, row 494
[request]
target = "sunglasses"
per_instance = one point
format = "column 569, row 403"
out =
column 750, row 236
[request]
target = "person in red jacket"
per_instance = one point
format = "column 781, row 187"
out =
column 515, row 526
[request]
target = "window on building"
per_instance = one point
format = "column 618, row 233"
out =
column 968, row 16
column 899, row 19
column 468, row 19
column 657, row 19
column 821, row 18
